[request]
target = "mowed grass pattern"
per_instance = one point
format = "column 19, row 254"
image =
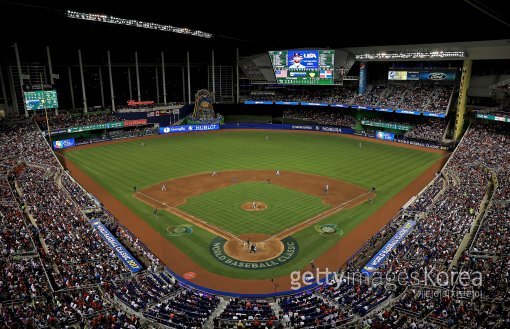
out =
column 118, row 167
column 286, row 208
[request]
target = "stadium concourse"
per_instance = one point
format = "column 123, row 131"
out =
column 57, row 271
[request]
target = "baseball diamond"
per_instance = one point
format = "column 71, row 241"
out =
column 201, row 219
column 202, row 167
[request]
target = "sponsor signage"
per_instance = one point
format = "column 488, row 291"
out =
column 401, row 111
column 258, row 102
column 141, row 103
column 397, row 75
column 313, row 104
column 437, row 76
column 188, row 128
column 64, row 143
column 112, row 242
column 422, row 75
column 287, row 103
column 138, row 122
column 380, row 109
column 384, row 135
column 107, row 125
column 436, row 115
column 331, row 129
column 360, row 107
column 385, row 251
column 340, row 105
column 492, row 117
column 385, row 125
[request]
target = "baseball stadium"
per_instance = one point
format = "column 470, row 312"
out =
column 173, row 172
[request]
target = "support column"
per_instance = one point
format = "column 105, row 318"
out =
column 237, row 75
column 129, row 84
column 183, row 86
column 137, row 77
column 82, row 77
column 213, row 78
column 111, row 80
column 465, row 79
column 4, row 93
column 71, row 87
column 157, row 86
column 163, row 76
column 50, row 66
column 101, row 86
column 18, row 62
column 189, row 79
column 13, row 92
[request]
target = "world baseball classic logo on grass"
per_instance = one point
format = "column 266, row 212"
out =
column 178, row 230
column 328, row 229
column 290, row 250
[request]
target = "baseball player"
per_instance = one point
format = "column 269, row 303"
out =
column 277, row 172
column 254, row 205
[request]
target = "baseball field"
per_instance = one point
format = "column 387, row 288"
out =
column 200, row 196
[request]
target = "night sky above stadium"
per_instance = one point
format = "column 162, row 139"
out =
column 254, row 27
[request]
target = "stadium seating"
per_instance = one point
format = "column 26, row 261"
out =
column 57, row 272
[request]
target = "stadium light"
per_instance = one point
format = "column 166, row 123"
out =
column 414, row 54
column 133, row 22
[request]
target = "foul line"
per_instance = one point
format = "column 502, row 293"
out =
column 338, row 208
column 195, row 219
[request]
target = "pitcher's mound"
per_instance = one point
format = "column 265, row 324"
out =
column 254, row 206
column 266, row 249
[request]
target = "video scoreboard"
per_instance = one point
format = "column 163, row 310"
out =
column 40, row 99
column 303, row 67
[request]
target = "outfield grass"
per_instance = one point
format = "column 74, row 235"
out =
column 118, row 167
column 286, row 208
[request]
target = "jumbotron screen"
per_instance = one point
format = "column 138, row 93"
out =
column 303, row 67
column 40, row 99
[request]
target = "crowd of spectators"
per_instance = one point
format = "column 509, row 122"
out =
column 68, row 276
column 246, row 312
column 308, row 310
column 493, row 143
column 63, row 121
column 413, row 97
column 188, row 309
column 334, row 118
column 445, row 213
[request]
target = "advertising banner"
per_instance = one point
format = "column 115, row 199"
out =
column 382, row 254
column 287, row 103
column 362, row 78
column 385, row 125
column 107, row 125
column 121, row 252
column 436, row 115
column 437, row 76
column 138, row 122
column 381, row 109
column 62, row 144
column 492, row 117
column 384, row 135
column 360, row 107
column 313, row 104
column 258, row 102
column 400, row 111
column 397, row 75
column 188, row 128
